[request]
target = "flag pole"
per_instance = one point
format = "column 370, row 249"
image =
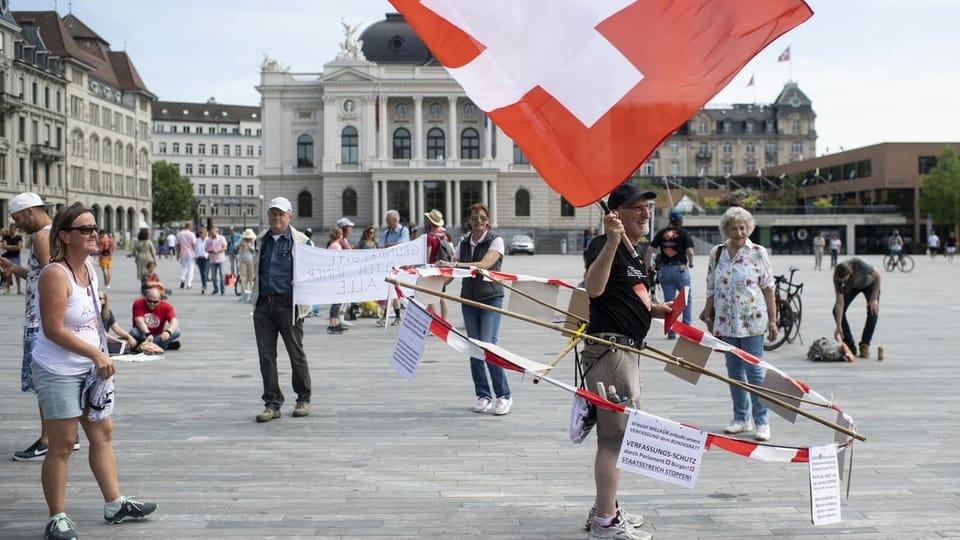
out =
column 653, row 354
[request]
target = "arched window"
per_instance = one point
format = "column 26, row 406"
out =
column 130, row 156
column 349, row 146
column 118, row 153
column 349, row 202
column 144, row 160
column 94, row 147
column 401, row 144
column 76, row 146
column 469, row 144
column 304, row 151
column 567, row 209
column 304, row 204
column 521, row 203
column 107, row 151
column 436, row 144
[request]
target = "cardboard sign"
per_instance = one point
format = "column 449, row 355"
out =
column 690, row 352
column 775, row 381
column 414, row 327
column 541, row 291
column 330, row 276
column 434, row 283
column 824, row 485
column 661, row 449
column 579, row 306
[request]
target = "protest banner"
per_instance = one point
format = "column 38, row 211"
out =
column 326, row 276
column 410, row 341
column 824, row 485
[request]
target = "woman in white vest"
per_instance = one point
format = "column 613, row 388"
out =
column 71, row 344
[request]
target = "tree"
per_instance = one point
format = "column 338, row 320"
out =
column 172, row 194
column 940, row 194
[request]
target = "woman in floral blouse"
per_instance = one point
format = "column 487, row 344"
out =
column 741, row 309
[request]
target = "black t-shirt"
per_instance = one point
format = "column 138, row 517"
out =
column 109, row 321
column 624, row 306
column 672, row 243
column 13, row 240
column 861, row 278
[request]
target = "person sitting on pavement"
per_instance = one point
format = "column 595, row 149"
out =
column 850, row 279
column 150, row 280
column 155, row 321
column 110, row 324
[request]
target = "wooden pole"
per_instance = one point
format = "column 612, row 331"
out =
column 556, row 359
column 653, row 353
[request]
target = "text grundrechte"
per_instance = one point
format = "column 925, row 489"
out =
column 824, row 485
column 661, row 449
column 411, row 338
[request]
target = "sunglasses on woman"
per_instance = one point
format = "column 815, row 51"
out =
column 88, row 230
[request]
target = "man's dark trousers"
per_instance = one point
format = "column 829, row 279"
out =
column 273, row 316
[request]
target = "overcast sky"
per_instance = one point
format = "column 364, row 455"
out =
column 876, row 70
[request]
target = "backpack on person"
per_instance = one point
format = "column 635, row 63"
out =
column 444, row 250
column 828, row 350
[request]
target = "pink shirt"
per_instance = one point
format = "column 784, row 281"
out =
column 216, row 247
column 185, row 241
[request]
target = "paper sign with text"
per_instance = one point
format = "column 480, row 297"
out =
column 414, row 327
column 824, row 485
column 661, row 449
column 329, row 276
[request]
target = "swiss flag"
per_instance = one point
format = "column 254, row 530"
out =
column 589, row 88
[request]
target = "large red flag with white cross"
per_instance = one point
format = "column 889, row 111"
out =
column 589, row 88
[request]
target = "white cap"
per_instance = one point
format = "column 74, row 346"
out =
column 23, row 201
column 281, row 203
column 344, row 222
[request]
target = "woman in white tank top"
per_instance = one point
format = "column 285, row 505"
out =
column 70, row 345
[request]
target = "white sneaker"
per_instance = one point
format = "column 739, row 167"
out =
column 618, row 530
column 482, row 405
column 635, row 520
column 502, row 406
column 738, row 426
column 345, row 323
column 763, row 432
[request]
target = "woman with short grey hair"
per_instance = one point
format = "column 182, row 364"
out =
column 740, row 309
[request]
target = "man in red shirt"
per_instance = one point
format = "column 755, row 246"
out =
column 155, row 320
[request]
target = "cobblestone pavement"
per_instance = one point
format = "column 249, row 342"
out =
column 380, row 457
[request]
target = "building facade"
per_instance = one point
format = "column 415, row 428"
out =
column 32, row 119
column 391, row 129
column 106, row 136
column 880, row 175
column 218, row 148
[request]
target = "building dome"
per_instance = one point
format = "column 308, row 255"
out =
column 392, row 41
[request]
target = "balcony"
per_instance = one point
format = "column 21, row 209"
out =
column 10, row 102
column 704, row 155
column 45, row 152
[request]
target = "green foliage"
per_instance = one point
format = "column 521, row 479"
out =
column 711, row 203
column 940, row 194
column 790, row 194
column 823, row 202
column 172, row 194
column 744, row 197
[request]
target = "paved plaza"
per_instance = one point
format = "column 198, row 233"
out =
column 380, row 457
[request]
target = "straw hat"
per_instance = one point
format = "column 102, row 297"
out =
column 435, row 216
column 249, row 234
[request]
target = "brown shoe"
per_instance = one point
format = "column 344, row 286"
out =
column 302, row 409
column 268, row 414
column 864, row 351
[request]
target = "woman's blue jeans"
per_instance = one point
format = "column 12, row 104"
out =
column 485, row 325
column 743, row 371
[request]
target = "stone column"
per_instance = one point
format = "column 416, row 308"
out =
column 484, row 194
column 420, row 198
column 376, row 203
column 384, row 129
column 383, row 200
column 850, row 242
column 411, row 186
column 457, row 213
column 369, row 133
column 487, row 139
column 418, row 136
column 493, row 203
column 454, row 137
column 331, row 135
column 448, row 207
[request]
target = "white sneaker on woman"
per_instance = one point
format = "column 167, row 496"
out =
column 739, row 426
column 763, row 432
column 502, row 406
column 482, row 405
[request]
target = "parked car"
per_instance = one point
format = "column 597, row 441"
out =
column 522, row 243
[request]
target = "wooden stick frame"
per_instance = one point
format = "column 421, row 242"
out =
column 647, row 351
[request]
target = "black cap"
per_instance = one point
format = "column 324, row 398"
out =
column 626, row 194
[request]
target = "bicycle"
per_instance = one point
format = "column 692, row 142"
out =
column 789, row 310
column 900, row 260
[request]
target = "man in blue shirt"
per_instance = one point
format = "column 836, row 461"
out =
column 274, row 315
column 393, row 234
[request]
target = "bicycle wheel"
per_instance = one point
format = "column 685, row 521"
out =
column 906, row 263
column 796, row 309
column 889, row 263
column 784, row 320
column 236, row 286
